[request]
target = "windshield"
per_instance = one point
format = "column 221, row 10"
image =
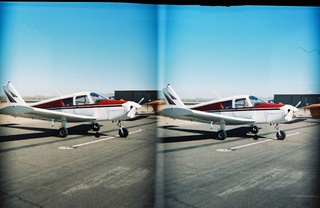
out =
column 255, row 101
column 96, row 97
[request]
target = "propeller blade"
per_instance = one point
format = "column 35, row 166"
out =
column 289, row 116
column 298, row 104
column 132, row 112
column 141, row 100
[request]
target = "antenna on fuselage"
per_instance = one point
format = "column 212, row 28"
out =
column 217, row 94
column 58, row 92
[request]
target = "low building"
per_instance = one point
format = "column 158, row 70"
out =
column 136, row 95
column 294, row 99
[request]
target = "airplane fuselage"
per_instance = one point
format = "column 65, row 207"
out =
column 238, row 110
column 78, row 107
column 88, row 104
column 244, row 106
column 251, row 108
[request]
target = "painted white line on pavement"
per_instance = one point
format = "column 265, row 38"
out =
column 293, row 134
column 87, row 143
column 251, row 144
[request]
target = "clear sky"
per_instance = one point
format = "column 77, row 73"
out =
column 260, row 50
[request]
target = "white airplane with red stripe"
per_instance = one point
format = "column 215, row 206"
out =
column 77, row 107
column 237, row 110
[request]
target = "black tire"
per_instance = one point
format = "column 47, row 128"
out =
column 221, row 135
column 281, row 136
column 95, row 126
column 124, row 132
column 254, row 129
column 63, row 132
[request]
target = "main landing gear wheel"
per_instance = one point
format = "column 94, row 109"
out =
column 254, row 129
column 63, row 132
column 123, row 132
column 281, row 135
column 95, row 126
column 221, row 135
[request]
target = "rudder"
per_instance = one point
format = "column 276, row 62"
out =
column 171, row 97
column 12, row 95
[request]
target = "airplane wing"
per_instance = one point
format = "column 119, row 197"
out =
column 195, row 115
column 43, row 114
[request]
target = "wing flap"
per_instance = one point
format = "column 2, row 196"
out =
column 43, row 114
column 195, row 115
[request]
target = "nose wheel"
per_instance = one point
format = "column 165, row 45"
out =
column 281, row 135
column 123, row 132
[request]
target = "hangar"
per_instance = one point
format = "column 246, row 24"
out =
column 136, row 95
column 294, row 99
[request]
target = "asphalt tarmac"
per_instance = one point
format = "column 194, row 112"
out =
column 162, row 163
column 245, row 170
column 39, row 169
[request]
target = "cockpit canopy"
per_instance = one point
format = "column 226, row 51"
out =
column 255, row 100
column 97, row 97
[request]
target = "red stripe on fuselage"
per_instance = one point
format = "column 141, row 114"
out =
column 219, row 107
column 213, row 106
column 60, row 104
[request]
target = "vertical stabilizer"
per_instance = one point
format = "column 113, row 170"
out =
column 12, row 95
column 171, row 97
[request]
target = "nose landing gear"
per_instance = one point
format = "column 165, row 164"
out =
column 281, row 135
column 123, row 132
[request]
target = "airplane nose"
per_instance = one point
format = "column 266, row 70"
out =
column 132, row 108
column 288, row 111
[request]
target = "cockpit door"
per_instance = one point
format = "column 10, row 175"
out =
column 241, row 108
column 81, row 105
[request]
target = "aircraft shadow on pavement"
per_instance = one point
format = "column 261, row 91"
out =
column 39, row 132
column 203, row 134
column 297, row 120
column 138, row 117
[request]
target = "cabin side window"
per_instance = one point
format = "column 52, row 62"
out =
column 241, row 103
column 227, row 104
column 68, row 102
column 82, row 100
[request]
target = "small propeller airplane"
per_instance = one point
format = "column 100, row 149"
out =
column 77, row 107
column 237, row 110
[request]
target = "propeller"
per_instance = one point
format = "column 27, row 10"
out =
column 134, row 106
column 290, row 111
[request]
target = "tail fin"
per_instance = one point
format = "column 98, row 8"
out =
column 12, row 95
column 171, row 97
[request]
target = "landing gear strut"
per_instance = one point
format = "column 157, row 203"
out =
column 123, row 132
column 222, row 134
column 63, row 131
column 281, row 135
